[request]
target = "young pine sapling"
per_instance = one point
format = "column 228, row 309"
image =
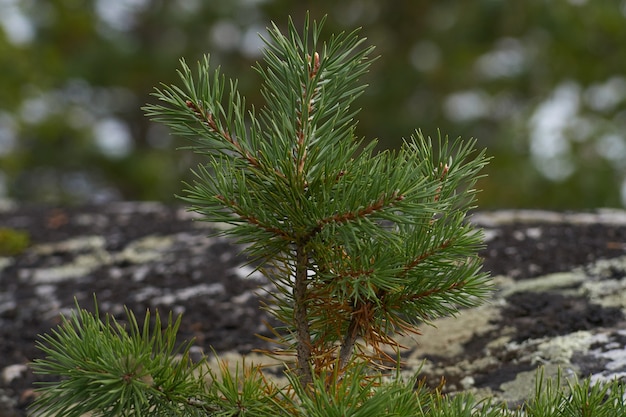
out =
column 359, row 244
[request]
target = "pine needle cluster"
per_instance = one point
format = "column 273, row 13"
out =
column 360, row 245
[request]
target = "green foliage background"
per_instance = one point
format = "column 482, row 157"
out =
column 541, row 84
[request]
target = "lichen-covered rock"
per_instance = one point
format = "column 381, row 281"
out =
column 559, row 302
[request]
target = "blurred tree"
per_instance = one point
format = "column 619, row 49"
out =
column 540, row 84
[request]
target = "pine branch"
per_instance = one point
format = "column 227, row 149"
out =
column 207, row 119
column 420, row 258
column 384, row 202
column 236, row 209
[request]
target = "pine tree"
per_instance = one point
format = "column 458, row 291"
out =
column 359, row 244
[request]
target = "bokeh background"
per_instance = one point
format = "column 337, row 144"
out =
column 541, row 84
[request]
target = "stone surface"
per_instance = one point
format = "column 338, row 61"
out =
column 559, row 302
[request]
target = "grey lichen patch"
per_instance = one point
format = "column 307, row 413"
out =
column 514, row 364
column 166, row 297
column 559, row 280
column 88, row 253
column 605, row 359
column 78, row 244
column 81, row 266
column 557, row 350
column 146, row 249
column 447, row 336
column 607, row 282
column 614, row 268
column 5, row 262
column 441, row 350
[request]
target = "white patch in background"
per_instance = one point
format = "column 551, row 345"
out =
column 612, row 147
column 549, row 146
column 18, row 28
column 465, row 106
column 113, row 137
column 507, row 59
column 120, row 14
column 251, row 43
column 35, row 110
column 225, row 35
column 604, row 97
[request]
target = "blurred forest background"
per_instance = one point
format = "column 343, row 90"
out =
column 541, row 84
